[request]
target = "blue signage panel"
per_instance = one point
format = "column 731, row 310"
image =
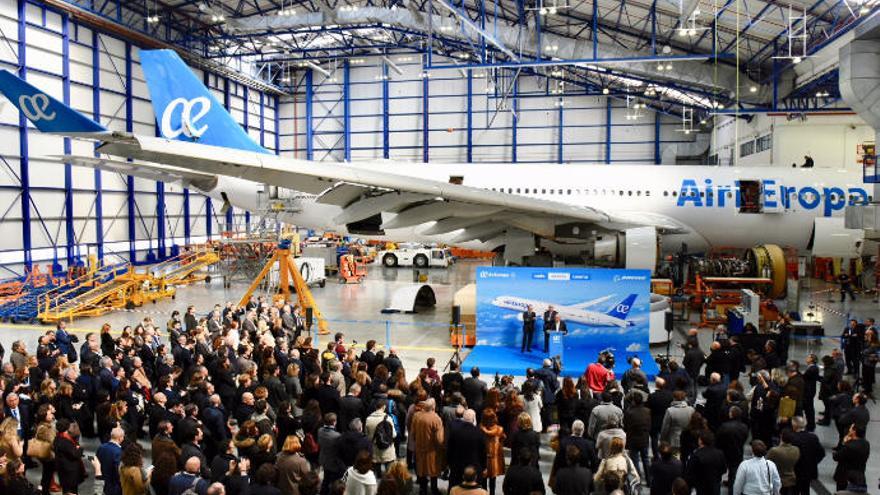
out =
column 601, row 308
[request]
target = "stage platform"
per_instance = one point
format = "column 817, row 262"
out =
column 510, row 361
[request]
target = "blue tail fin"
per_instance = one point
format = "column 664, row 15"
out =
column 46, row 113
column 621, row 309
column 184, row 107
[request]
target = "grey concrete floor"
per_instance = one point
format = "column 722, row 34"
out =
column 356, row 311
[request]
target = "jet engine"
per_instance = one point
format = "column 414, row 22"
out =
column 763, row 261
column 635, row 248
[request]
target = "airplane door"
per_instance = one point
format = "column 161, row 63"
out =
column 750, row 196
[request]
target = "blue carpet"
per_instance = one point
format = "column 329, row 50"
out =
column 509, row 361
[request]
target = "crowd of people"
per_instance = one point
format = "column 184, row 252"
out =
column 240, row 402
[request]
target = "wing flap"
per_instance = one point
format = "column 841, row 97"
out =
column 343, row 194
column 150, row 171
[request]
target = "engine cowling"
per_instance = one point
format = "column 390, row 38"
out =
column 635, row 248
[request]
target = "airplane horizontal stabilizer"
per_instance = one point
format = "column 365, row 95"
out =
column 45, row 112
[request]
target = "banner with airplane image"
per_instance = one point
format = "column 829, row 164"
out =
column 602, row 308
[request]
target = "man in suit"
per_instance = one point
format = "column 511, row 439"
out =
column 585, row 446
column 851, row 341
column 811, row 378
column 189, row 319
column 467, row 442
column 714, row 394
column 852, row 458
column 811, row 454
column 109, row 455
column 528, row 318
column 351, row 407
column 550, row 318
column 732, row 436
column 214, row 420
column 706, row 466
column 474, row 390
column 557, row 325
column 20, row 410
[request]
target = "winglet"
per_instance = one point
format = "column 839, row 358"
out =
column 46, row 113
column 184, row 108
column 622, row 308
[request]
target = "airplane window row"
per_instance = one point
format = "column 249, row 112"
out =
column 619, row 192
column 569, row 192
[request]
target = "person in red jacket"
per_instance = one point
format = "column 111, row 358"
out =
column 601, row 372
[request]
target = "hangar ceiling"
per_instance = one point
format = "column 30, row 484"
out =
column 719, row 56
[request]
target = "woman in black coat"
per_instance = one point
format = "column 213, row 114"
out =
column 16, row 481
column 69, row 456
column 526, row 437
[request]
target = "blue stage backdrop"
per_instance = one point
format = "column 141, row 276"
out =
column 602, row 308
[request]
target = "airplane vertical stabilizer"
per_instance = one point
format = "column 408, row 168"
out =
column 185, row 109
column 622, row 308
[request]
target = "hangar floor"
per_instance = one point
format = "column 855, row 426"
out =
column 356, row 311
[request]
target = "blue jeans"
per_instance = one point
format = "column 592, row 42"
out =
column 642, row 453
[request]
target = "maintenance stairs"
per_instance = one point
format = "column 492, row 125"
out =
column 26, row 306
column 187, row 268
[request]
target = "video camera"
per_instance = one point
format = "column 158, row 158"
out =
column 606, row 357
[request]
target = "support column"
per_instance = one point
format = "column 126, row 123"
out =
column 561, row 128
column 96, row 113
column 386, row 109
column 276, row 119
column 470, row 115
column 161, row 253
column 608, row 106
column 346, row 111
column 69, row 231
column 426, row 144
column 515, row 121
column 209, row 217
column 310, row 150
column 129, row 182
column 657, row 137
column 226, row 103
column 24, row 152
column 187, row 227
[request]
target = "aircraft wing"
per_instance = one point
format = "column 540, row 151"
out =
column 150, row 171
column 589, row 304
column 365, row 192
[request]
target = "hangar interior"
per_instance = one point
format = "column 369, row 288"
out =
column 714, row 83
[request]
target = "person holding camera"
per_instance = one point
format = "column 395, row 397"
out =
column 600, row 373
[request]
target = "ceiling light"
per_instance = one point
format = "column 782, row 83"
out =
column 703, row 122
column 668, row 66
column 720, row 106
column 796, row 60
column 687, row 131
column 753, row 89
column 552, row 11
column 543, row 11
column 660, row 66
column 605, row 91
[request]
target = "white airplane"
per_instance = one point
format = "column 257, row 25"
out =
column 576, row 313
column 627, row 214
